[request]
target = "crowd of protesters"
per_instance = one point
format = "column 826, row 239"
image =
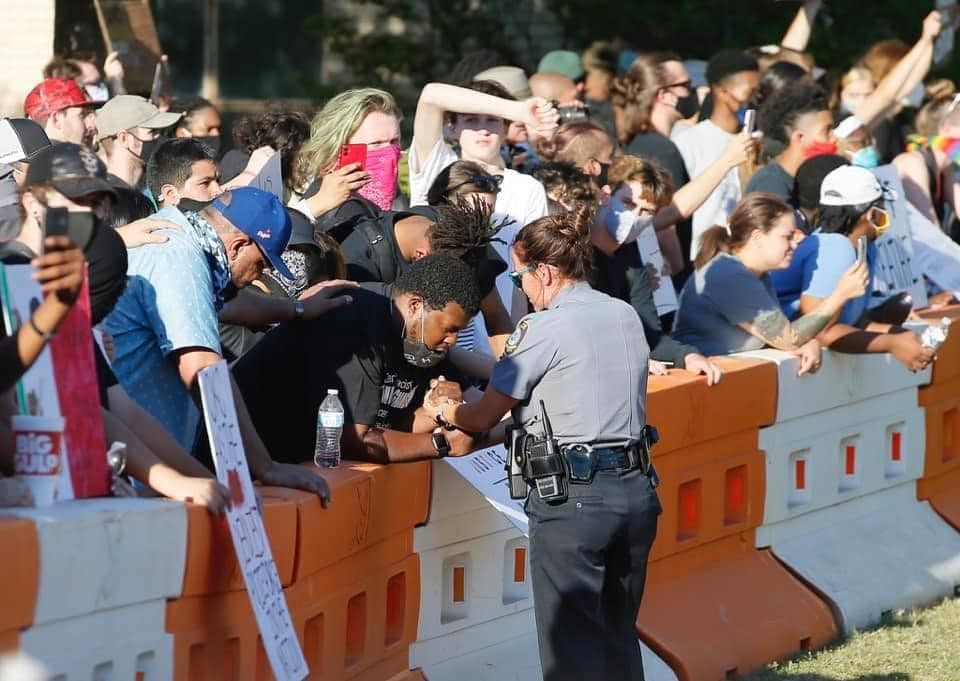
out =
column 342, row 280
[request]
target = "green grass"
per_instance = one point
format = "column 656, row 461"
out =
column 921, row 645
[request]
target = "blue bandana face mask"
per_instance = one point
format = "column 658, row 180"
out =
column 868, row 157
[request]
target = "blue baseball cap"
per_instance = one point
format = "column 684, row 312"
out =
column 262, row 217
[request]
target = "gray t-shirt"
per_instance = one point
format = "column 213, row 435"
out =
column 772, row 179
column 586, row 357
column 718, row 297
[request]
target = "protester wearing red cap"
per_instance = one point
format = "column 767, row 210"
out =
column 64, row 111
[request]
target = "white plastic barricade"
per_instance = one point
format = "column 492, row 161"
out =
column 127, row 642
column 100, row 554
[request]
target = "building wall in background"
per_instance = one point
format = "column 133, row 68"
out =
column 26, row 45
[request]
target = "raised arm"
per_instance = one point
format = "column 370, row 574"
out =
column 798, row 34
column 774, row 329
column 908, row 72
column 438, row 98
column 691, row 196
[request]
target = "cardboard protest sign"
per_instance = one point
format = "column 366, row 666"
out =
column 62, row 383
column 246, row 527
column 270, row 179
column 895, row 269
column 128, row 29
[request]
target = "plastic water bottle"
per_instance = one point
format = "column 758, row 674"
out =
column 935, row 335
column 329, row 428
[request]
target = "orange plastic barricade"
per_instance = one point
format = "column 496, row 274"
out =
column 369, row 504
column 211, row 565
column 724, row 609
column 714, row 605
column 19, row 576
column 357, row 619
column 940, row 483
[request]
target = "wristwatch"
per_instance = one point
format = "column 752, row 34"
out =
column 298, row 309
column 441, row 444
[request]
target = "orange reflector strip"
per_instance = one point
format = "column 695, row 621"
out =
column 519, row 565
column 458, row 585
column 800, row 474
column 851, row 460
column 895, row 446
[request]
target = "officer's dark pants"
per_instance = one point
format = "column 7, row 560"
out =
column 588, row 560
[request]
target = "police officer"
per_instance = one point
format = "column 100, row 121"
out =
column 584, row 355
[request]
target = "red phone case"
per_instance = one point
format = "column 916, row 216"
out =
column 353, row 153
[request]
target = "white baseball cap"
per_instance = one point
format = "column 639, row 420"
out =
column 850, row 186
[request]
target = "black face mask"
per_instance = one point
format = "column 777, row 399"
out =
column 603, row 178
column 150, row 146
column 186, row 205
column 212, row 142
column 688, row 106
column 418, row 354
column 107, row 268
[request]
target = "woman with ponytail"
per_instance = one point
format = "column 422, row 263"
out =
column 583, row 356
column 730, row 305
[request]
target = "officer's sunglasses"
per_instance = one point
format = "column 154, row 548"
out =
column 517, row 275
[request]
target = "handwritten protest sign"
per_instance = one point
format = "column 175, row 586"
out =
column 664, row 295
column 270, row 179
column 485, row 471
column 246, row 527
column 895, row 270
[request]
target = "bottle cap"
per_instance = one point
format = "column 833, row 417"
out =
column 332, row 391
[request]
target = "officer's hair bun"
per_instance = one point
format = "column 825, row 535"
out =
column 560, row 240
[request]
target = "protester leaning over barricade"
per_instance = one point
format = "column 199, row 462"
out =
column 165, row 324
column 579, row 361
column 312, row 258
column 64, row 111
column 128, row 130
column 69, row 176
column 851, row 209
column 466, row 186
column 799, row 119
column 381, row 359
column 183, row 173
column 730, row 305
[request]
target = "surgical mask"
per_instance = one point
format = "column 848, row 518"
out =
column 417, row 353
column 212, row 142
column 149, row 146
column 690, row 105
column 817, row 148
column 98, row 92
column 382, row 166
column 868, row 157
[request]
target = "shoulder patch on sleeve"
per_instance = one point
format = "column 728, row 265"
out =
column 516, row 338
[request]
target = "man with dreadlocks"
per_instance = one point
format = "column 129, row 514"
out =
column 381, row 353
column 463, row 229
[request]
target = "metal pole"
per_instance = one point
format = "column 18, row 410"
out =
column 211, row 50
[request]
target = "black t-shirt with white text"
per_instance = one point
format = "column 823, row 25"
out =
column 357, row 350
